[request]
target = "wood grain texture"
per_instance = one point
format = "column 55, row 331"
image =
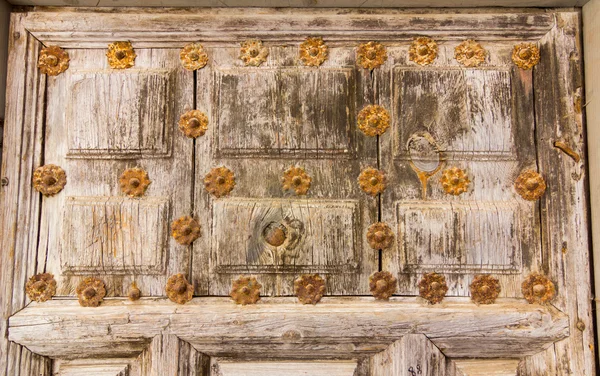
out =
column 323, row 368
column 281, row 327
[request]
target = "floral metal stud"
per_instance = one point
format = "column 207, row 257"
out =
column 185, row 230
column 373, row 120
column 121, row 55
column 219, row 181
column 313, row 52
column 371, row 55
column 253, row 52
column 433, row 287
column 309, row 288
column 537, row 288
column 178, row 289
column 484, row 289
column 530, row 185
column 134, row 292
column 297, row 179
column 91, row 292
column 423, row 50
column 193, row 56
column 49, row 179
column 245, row 290
column 193, row 123
column 380, row 235
column 53, row 60
column 470, row 53
column 382, row 285
column 134, row 182
column 526, row 55
column 41, row 287
column 372, row 181
column 455, row 181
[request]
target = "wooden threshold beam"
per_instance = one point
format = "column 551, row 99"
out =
column 280, row 327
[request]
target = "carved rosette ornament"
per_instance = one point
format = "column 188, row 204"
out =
column 185, row 230
column 382, row 285
column 121, row 55
column 455, row 181
column 371, row 55
column 134, row 182
column 423, row 50
column 193, row 56
column 526, row 55
column 372, row 181
column 49, row 179
column 134, row 292
column 470, row 53
column 53, row 60
column 295, row 178
column 91, row 292
column 220, row 181
column 530, row 185
column 309, row 288
column 245, row 290
column 178, row 289
column 484, row 289
column 313, row 52
column 380, row 236
column 41, row 287
column 253, row 53
column 193, row 123
column 433, row 287
column 538, row 289
column 373, row 120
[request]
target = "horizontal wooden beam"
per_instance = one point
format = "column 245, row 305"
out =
column 281, row 327
column 150, row 27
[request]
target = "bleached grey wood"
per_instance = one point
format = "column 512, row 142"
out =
column 485, row 367
column 281, row 327
column 289, row 368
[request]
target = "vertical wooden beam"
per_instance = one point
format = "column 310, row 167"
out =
column 19, row 203
column 168, row 355
column 591, row 47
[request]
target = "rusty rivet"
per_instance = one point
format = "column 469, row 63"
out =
column 371, row 55
column 121, row 55
column 372, row 181
column 193, row 123
column 193, row 56
column 220, row 181
column 526, row 55
column 423, row 50
column 484, row 289
column 296, row 179
column 530, row 185
column 382, row 285
column 433, row 287
column 313, row 52
column 91, row 292
column 245, row 290
column 538, row 289
column 41, row 287
column 53, row 60
column 309, row 288
column 253, row 53
column 380, row 235
column 580, row 325
column 373, row 120
column 134, row 182
column 455, row 181
column 49, row 179
column 178, row 289
column 185, row 230
column 134, row 292
column 470, row 53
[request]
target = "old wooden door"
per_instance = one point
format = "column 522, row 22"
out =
column 434, row 157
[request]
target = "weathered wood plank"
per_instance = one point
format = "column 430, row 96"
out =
column 290, row 368
column 281, row 327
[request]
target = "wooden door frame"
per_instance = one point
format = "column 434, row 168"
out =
column 551, row 337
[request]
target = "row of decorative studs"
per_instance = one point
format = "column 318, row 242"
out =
column 309, row 288
column 313, row 52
